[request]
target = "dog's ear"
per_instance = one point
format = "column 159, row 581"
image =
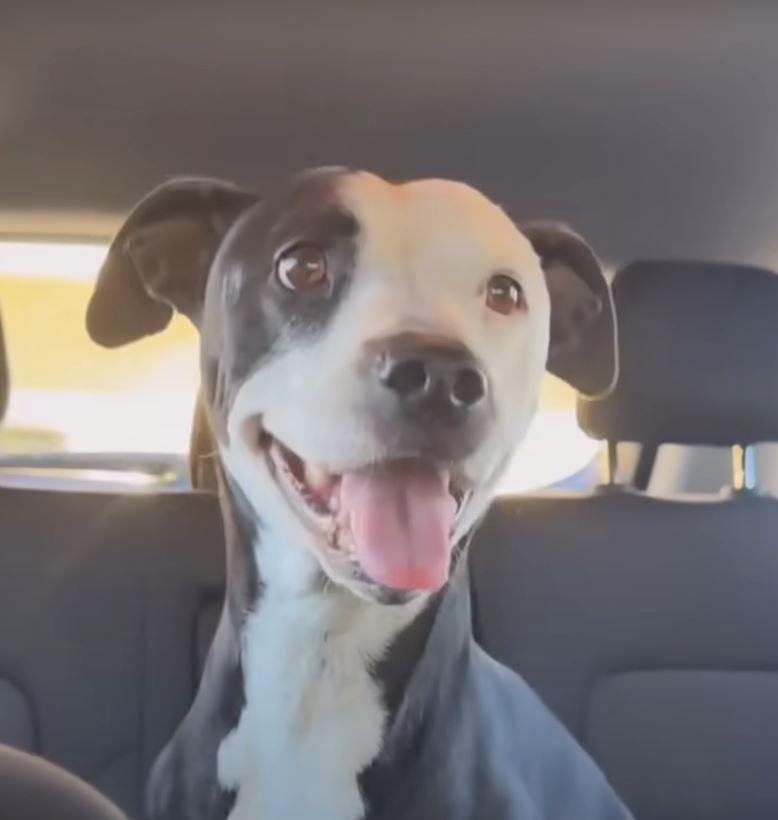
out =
column 583, row 347
column 160, row 258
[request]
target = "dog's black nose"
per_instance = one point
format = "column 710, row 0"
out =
column 433, row 378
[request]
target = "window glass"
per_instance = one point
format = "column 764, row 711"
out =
column 70, row 396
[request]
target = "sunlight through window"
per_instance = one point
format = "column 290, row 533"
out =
column 79, row 397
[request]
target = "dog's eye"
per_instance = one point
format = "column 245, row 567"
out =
column 301, row 267
column 504, row 294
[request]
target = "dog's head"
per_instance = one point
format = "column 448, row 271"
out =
column 371, row 355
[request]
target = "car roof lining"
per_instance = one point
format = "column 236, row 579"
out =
column 648, row 130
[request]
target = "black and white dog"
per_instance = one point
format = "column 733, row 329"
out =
column 371, row 355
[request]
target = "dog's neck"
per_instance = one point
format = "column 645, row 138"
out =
column 397, row 662
column 420, row 677
column 395, row 667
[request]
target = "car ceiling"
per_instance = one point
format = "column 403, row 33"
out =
column 652, row 131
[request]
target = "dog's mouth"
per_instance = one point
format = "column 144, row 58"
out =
column 389, row 523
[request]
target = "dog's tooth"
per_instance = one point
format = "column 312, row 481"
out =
column 315, row 476
column 344, row 539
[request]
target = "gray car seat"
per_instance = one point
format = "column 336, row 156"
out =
column 104, row 601
column 650, row 626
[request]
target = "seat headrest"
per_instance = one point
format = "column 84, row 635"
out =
column 698, row 344
column 4, row 377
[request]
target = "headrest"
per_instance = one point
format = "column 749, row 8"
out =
column 698, row 344
column 4, row 378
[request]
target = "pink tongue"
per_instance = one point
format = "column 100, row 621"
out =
column 400, row 519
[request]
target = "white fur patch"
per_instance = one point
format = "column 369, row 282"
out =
column 314, row 717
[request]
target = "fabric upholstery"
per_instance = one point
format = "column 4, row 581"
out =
column 698, row 348
column 100, row 599
column 651, row 628
column 17, row 717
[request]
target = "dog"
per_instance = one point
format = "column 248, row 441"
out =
column 371, row 355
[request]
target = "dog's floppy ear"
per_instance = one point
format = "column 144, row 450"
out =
column 583, row 347
column 160, row 259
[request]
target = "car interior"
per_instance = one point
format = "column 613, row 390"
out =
column 628, row 570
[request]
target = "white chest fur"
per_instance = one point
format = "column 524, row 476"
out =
column 314, row 717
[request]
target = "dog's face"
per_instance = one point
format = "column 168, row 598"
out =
column 371, row 355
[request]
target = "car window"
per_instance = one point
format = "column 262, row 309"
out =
column 70, row 396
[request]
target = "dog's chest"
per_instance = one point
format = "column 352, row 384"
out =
column 314, row 716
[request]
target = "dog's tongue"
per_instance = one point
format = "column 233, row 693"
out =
column 400, row 518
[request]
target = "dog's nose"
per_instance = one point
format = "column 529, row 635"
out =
column 431, row 377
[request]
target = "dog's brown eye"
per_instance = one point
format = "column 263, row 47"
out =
column 301, row 267
column 504, row 294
